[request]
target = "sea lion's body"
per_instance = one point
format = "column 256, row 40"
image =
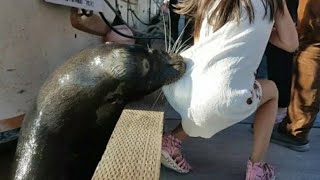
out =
column 63, row 136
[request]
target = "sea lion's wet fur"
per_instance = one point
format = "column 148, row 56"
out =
column 63, row 136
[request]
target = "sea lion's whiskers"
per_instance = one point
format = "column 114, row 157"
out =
column 149, row 49
column 156, row 99
column 183, row 46
column 165, row 32
column 163, row 96
column 181, row 43
column 170, row 35
column 168, row 39
column 177, row 43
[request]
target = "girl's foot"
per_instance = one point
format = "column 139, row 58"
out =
column 171, row 155
column 260, row 171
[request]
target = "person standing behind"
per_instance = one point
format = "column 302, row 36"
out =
column 279, row 64
column 174, row 19
column 93, row 24
column 293, row 131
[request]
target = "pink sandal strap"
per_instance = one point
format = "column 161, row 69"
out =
column 171, row 146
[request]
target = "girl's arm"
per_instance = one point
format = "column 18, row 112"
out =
column 284, row 35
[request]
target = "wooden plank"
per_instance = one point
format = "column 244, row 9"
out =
column 134, row 149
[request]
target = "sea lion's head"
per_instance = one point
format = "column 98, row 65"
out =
column 166, row 68
column 143, row 70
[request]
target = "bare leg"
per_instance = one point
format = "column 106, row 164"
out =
column 179, row 133
column 171, row 155
column 263, row 124
column 264, row 120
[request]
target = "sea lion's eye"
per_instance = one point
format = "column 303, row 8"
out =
column 146, row 66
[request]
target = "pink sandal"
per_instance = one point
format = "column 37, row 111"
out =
column 171, row 155
column 260, row 171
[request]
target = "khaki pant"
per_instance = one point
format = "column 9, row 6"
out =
column 305, row 93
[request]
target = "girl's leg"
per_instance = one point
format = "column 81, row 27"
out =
column 171, row 155
column 263, row 125
column 264, row 120
column 179, row 133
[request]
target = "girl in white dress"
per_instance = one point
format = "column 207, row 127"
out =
column 219, row 88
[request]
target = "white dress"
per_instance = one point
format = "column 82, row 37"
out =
column 219, row 87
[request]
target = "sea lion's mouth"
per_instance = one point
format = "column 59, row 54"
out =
column 178, row 67
column 176, row 57
column 178, row 63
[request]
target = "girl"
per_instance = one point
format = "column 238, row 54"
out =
column 280, row 65
column 219, row 88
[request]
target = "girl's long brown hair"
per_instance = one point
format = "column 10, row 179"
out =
column 226, row 10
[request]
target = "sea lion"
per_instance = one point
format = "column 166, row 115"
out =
column 63, row 137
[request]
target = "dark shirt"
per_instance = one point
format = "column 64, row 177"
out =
column 293, row 7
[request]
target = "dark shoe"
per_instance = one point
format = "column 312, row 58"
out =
column 290, row 142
